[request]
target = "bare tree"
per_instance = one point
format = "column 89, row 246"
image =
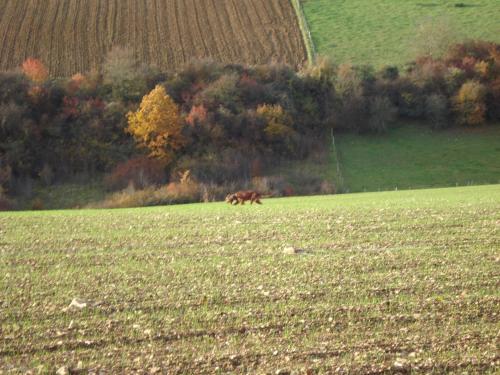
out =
column 433, row 36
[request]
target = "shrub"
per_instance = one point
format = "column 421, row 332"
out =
column 183, row 191
column 224, row 91
column 465, row 55
column 220, row 167
column 437, row 111
column 256, row 167
column 213, row 192
column 173, row 193
column 348, row 82
column 37, row 204
column 382, row 113
column 6, row 204
column 271, row 185
column 305, row 182
column 121, row 72
column 46, row 174
column 469, row 103
column 76, row 82
column 5, row 177
column 13, row 87
column 327, row 187
column 197, row 115
column 454, row 78
column 35, row 70
column 278, row 127
column 351, row 114
column 390, row 73
column 411, row 104
column 493, row 100
column 140, row 171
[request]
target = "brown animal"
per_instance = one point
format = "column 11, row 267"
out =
column 242, row 196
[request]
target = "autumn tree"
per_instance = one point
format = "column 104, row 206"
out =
column 433, row 36
column 157, row 125
column 278, row 121
column 278, row 125
column 469, row 103
column 35, row 70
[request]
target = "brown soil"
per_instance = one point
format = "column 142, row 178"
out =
column 72, row 36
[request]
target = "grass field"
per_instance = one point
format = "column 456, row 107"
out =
column 74, row 36
column 381, row 32
column 388, row 282
column 414, row 156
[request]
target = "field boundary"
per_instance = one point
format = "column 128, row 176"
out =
column 305, row 31
column 340, row 178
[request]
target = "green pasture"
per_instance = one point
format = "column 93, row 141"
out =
column 415, row 156
column 382, row 32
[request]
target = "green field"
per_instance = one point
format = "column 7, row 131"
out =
column 414, row 156
column 388, row 282
column 382, row 32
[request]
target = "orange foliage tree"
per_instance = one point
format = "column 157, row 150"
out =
column 157, row 125
column 35, row 70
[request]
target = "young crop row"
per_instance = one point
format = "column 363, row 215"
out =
column 395, row 282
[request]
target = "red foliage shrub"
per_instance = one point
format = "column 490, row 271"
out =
column 288, row 191
column 140, row 171
column 197, row 115
column 37, row 204
column 246, row 80
column 93, row 105
column 70, row 106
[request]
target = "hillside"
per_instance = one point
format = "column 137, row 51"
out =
column 387, row 283
column 414, row 156
column 74, row 36
column 383, row 31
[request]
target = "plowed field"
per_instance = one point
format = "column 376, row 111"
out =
column 72, row 36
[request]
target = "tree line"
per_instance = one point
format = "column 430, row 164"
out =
column 131, row 122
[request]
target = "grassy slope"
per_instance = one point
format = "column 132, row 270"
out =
column 411, row 156
column 390, row 281
column 379, row 31
column 63, row 196
column 414, row 156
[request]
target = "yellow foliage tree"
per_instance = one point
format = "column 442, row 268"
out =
column 157, row 125
column 469, row 103
column 278, row 121
column 278, row 128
